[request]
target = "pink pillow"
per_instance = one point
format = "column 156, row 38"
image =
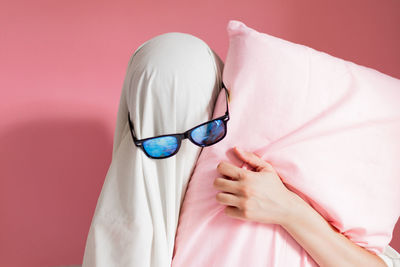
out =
column 331, row 129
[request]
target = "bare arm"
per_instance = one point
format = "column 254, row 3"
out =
column 323, row 242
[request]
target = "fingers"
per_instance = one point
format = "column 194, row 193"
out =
column 231, row 170
column 253, row 160
column 234, row 212
column 228, row 199
column 226, row 185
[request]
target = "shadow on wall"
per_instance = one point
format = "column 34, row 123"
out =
column 52, row 171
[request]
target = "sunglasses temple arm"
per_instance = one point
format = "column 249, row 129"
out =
column 132, row 128
column 227, row 99
column 134, row 137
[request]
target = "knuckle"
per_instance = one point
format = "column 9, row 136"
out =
column 243, row 175
column 244, row 191
column 245, row 213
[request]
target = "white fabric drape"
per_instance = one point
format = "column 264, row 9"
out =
column 171, row 85
column 391, row 257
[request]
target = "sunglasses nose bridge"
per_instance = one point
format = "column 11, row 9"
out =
column 185, row 135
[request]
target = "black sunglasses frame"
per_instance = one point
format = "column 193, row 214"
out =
column 182, row 136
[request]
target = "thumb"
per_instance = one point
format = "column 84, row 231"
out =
column 253, row 160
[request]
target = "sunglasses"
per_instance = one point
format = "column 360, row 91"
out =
column 167, row 145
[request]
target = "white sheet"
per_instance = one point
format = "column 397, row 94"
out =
column 171, row 85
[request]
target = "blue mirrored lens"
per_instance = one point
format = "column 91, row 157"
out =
column 209, row 133
column 161, row 146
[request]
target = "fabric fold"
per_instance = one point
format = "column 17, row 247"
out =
column 331, row 130
column 170, row 86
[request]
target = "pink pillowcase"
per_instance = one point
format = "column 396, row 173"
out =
column 331, row 129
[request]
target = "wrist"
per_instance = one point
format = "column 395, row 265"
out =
column 296, row 208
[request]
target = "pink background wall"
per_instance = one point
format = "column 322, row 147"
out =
column 62, row 65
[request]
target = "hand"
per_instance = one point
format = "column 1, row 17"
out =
column 257, row 195
column 261, row 196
